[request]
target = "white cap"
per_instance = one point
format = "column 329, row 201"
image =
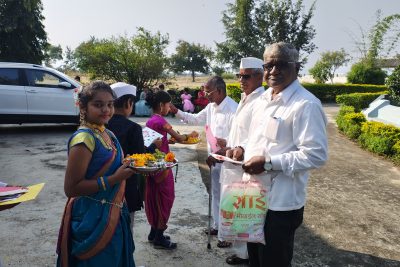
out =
column 251, row 63
column 121, row 89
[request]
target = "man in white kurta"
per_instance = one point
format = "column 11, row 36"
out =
column 288, row 139
column 250, row 78
column 218, row 115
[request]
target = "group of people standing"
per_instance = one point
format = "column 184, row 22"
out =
column 279, row 133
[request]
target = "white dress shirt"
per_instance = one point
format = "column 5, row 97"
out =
column 217, row 117
column 291, row 130
column 240, row 128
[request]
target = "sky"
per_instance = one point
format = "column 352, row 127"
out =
column 68, row 23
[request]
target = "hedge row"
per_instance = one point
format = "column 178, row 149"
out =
column 377, row 137
column 358, row 100
column 325, row 92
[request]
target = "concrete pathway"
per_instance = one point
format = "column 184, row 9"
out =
column 351, row 217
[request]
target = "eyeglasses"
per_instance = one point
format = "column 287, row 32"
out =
column 281, row 65
column 207, row 94
column 244, row 76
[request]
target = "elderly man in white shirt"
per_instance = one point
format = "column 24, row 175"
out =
column 288, row 139
column 250, row 78
column 218, row 115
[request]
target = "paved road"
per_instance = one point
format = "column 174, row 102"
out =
column 351, row 218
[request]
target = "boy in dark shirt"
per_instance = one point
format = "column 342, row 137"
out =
column 129, row 135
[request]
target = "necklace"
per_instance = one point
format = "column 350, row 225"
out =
column 100, row 131
column 94, row 126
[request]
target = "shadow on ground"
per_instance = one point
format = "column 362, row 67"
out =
column 312, row 250
column 351, row 215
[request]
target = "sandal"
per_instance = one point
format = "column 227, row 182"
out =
column 233, row 260
column 224, row 244
column 164, row 244
column 212, row 231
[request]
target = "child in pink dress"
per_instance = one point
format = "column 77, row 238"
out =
column 187, row 103
column 160, row 191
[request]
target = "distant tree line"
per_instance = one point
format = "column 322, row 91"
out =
column 141, row 59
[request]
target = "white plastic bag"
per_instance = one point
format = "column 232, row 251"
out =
column 243, row 205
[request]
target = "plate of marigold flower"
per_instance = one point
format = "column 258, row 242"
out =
column 148, row 162
column 189, row 141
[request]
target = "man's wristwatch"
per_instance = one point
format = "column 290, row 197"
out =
column 268, row 165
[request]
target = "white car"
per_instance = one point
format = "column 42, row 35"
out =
column 33, row 93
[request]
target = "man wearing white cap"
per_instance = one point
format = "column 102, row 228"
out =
column 250, row 78
column 288, row 139
column 129, row 135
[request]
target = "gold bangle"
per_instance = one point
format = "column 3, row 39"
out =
column 102, row 183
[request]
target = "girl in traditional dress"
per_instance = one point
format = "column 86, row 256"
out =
column 202, row 100
column 186, row 102
column 160, row 192
column 95, row 226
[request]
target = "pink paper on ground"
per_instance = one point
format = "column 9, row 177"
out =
column 211, row 139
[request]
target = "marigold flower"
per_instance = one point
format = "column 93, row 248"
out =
column 169, row 157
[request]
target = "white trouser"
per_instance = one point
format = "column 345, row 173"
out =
column 240, row 249
column 132, row 215
column 215, row 193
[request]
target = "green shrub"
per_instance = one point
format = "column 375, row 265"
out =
column 228, row 76
column 325, row 92
column 366, row 73
column 358, row 100
column 396, row 152
column 328, row 92
column 379, row 137
column 233, row 90
column 393, row 83
column 345, row 110
column 340, row 117
column 350, row 123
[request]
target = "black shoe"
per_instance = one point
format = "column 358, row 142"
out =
column 164, row 243
column 152, row 240
column 151, row 235
column 234, row 260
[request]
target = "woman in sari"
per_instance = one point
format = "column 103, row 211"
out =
column 95, row 226
column 160, row 191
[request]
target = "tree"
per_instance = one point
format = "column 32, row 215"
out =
column 191, row 57
column 326, row 67
column 365, row 73
column 22, row 34
column 139, row 60
column 52, row 54
column 69, row 60
column 393, row 83
column 239, row 23
column 376, row 46
column 383, row 37
column 262, row 22
column 320, row 72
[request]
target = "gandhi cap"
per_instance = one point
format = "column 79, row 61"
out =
column 251, row 63
column 121, row 89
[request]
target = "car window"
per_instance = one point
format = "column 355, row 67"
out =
column 9, row 77
column 40, row 78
